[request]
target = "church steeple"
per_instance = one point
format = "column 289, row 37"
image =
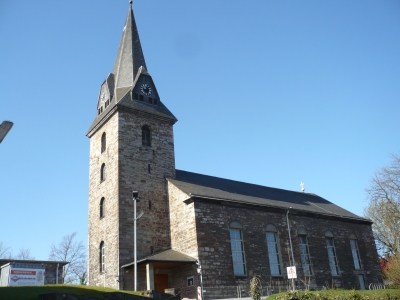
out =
column 130, row 55
column 129, row 86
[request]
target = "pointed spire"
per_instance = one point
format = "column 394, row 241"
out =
column 130, row 55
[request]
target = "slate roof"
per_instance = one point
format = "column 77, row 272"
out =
column 128, row 66
column 220, row 189
column 130, row 55
column 166, row 256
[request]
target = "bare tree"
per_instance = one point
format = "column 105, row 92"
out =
column 72, row 251
column 4, row 250
column 384, row 207
column 24, row 253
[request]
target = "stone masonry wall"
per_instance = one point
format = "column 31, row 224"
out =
column 106, row 228
column 212, row 223
column 144, row 169
column 183, row 222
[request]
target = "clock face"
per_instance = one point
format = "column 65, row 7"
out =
column 145, row 89
column 103, row 96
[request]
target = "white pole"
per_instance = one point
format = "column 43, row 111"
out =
column 134, row 248
column 290, row 241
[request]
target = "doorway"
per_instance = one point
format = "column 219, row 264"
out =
column 160, row 282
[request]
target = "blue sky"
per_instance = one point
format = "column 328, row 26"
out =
column 268, row 92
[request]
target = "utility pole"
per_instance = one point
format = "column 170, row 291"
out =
column 135, row 198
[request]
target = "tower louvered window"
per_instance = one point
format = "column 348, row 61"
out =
column 103, row 172
column 103, row 142
column 102, row 257
column 146, row 138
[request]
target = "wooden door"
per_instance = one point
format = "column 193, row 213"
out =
column 160, row 282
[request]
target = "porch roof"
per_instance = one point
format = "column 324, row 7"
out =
column 167, row 259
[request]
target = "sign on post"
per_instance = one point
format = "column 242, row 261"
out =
column 291, row 272
column 198, row 293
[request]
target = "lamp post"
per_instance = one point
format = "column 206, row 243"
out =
column 135, row 198
column 290, row 242
column 5, row 127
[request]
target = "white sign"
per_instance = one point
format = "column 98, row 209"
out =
column 291, row 272
column 20, row 277
column 198, row 293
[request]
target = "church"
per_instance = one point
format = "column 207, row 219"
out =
column 229, row 230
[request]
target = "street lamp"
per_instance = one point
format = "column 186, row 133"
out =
column 290, row 241
column 4, row 129
column 135, row 198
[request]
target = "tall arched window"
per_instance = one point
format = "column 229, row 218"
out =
column 102, row 257
column 330, row 246
column 273, row 250
column 239, row 264
column 304, row 252
column 103, row 172
column 355, row 252
column 102, row 207
column 103, row 142
column 146, row 138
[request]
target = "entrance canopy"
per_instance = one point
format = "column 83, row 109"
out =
column 168, row 259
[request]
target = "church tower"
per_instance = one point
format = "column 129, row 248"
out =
column 131, row 149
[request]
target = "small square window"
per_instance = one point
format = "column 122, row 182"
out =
column 190, row 281
column 155, row 101
column 141, row 97
column 136, row 96
column 150, row 100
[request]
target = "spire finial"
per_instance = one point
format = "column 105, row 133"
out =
column 130, row 2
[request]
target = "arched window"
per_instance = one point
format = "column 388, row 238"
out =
column 330, row 246
column 355, row 252
column 102, row 257
column 103, row 142
column 146, row 138
column 304, row 251
column 239, row 264
column 273, row 250
column 102, row 207
column 103, row 172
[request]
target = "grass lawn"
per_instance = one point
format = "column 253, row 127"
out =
column 387, row 294
column 32, row 292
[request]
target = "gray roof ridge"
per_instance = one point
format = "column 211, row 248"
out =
column 244, row 182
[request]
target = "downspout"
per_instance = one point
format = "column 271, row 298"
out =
column 57, row 273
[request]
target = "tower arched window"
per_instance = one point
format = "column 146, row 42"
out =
column 146, row 137
column 102, row 207
column 103, row 142
column 102, row 257
column 239, row 264
column 103, row 172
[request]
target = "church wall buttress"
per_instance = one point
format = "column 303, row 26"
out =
column 183, row 222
